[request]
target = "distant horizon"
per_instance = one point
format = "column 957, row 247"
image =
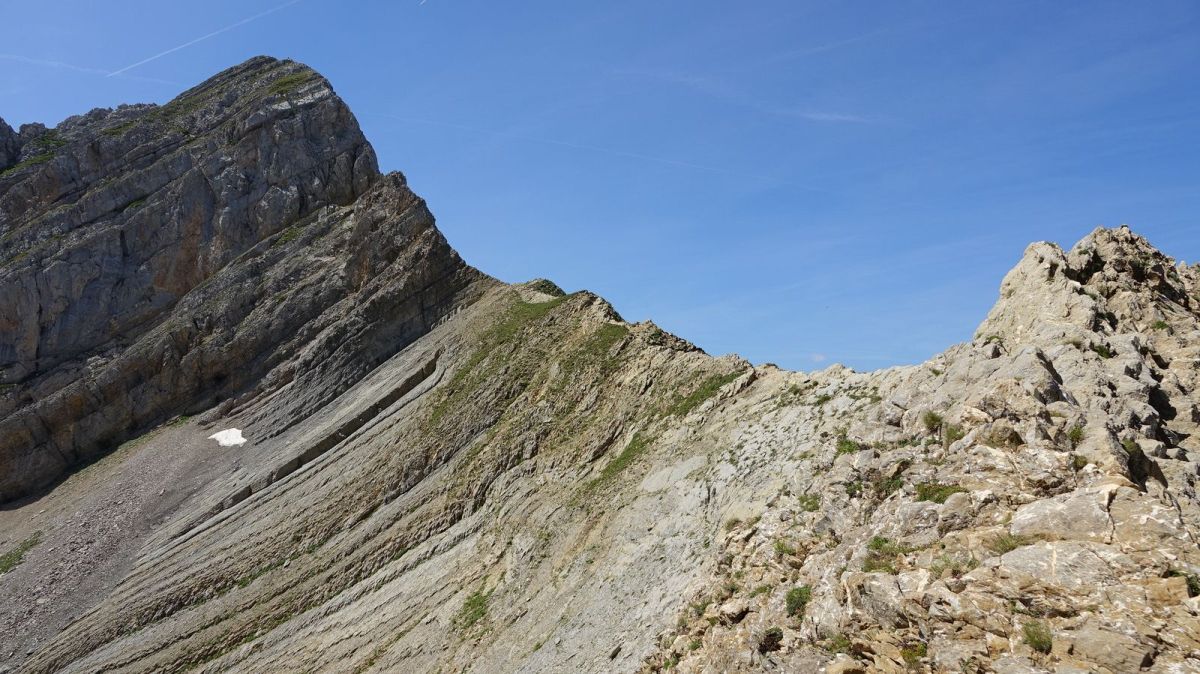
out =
column 797, row 184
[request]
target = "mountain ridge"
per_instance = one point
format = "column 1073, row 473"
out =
column 448, row 472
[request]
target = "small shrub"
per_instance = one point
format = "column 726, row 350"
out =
column 10, row 559
column 932, row 421
column 732, row 523
column 912, row 655
column 847, row 446
column 822, row 399
column 854, row 489
column 1075, row 435
column 797, row 599
column 1160, row 325
column 885, row 487
column 1103, row 350
column 839, row 644
column 1038, row 636
column 473, row 610
column 1078, row 463
column 771, row 640
column 784, row 548
column 955, row 565
column 1130, row 446
column 761, row 589
column 809, row 503
column 936, row 492
column 882, row 555
column 695, row 644
column 954, row 434
column 1007, row 542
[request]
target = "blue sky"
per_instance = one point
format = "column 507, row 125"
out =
column 798, row 182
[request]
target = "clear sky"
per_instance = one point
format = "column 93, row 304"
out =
column 798, row 182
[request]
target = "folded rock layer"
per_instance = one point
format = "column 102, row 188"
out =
column 443, row 472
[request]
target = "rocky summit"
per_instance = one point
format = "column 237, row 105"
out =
column 256, row 415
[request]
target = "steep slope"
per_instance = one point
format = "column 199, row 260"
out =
column 448, row 473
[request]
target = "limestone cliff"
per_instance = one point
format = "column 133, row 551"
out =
column 447, row 473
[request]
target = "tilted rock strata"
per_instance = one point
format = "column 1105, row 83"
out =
column 445, row 472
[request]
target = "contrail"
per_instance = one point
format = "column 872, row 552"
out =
column 205, row 37
column 79, row 69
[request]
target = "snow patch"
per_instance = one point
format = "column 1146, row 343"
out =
column 230, row 437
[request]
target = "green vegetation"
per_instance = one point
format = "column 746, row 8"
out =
column 1078, row 463
column 761, row 589
column 1103, row 350
column 289, row 83
column 1130, row 446
column 953, row 434
column 32, row 161
column 1160, row 325
column 636, row 446
column 839, row 644
column 287, row 236
column 707, row 389
column 809, row 503
column 1193, row 581
column 932, row 421
column 10, row 559
column 797, row 599
column 882, row 554
column 732, row 523
column 119, row 129
column 936, row 492
column 822, row 399
column 854, row 489
column 48, row 141
column 1038, row 636
column 886, row 486
column 133, row 205
column 784, row 548
column 473, row 610
column 771, row 640
column 957, row 566
column 1007, row 542
column 847, row 446
column 546, row 286
column 912, row 655
column 1075, row 435
column 514, row 320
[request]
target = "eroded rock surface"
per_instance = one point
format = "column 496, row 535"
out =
column 443, row 472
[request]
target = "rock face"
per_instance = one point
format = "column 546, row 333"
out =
column 443, row 472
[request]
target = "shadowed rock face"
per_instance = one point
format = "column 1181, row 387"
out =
column 112, row 219
column 444, row 472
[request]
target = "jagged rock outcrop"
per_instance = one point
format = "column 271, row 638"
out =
column 448, row 473
column 222, row 197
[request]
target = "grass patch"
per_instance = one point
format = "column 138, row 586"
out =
column 546, row 286
column 957, row 566
column 468, row 376
column 120, row 129
column 289, row 235
column 912, row 654
column 1103, row 350
column 32, row 161
column 847, row 446
column 882, row 554
column 783, row 547
column 839, row 644
column 473, row 610
column 10, row 559
column 954, row 433
column 809, row 503
column 707, row 389
column 637, row 445
column 822, row 399
column 1038, row 636
column 1007, row 542
column 1078, row 463
column 937, row 492
column 1160, row 325
column 797, row 599
column 289, row 83
column 761, row 589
